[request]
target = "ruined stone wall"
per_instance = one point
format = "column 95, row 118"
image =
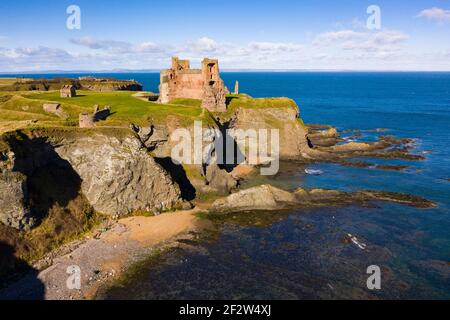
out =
column 86, row 120
column 214, row 98
column 164, row 87
column 68, row 92
column 189, row 85
column 178, row 64
column 214, row 90
column 51, row 107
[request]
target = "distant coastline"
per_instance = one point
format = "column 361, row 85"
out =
column 121, row 71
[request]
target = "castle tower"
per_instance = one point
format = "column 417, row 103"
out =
column 214, row 88
column 236, row 87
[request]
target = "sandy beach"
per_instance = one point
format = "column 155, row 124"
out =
column 103, row 257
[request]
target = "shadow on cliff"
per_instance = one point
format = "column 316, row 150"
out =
column 29, row 287
column 177, row 173
column 52, row 192
column 237, row 156
column 51, row 180
column 229, row 100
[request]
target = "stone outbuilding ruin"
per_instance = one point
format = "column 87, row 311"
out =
column 88, row 120
column 55, row 108
column 68, row 91
column 203, row 84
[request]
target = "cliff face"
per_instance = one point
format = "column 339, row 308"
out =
column 207, row 177
column 210, row 177
column 119, row 86
column 293, row 134
column 14, row 211
column 118, row 177
column 57, row 84
column 114, row 174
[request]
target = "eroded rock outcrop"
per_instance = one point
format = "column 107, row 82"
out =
column 207, row 177
column 118, row 177
column 269, row 198
column 293, row 134
column 219, row 180
column 14, row 210
column 152, row 137
column 265, row 197
column 115, row 175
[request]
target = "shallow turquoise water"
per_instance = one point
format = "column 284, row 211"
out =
column 301, row 254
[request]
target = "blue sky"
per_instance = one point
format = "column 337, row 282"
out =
column 276, row 34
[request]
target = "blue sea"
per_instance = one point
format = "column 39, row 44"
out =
column 301, row 254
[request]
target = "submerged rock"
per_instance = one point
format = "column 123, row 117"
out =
column 313, row 172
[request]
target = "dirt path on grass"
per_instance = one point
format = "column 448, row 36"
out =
column 105, row 257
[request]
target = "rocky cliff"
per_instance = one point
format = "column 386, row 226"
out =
column 85, row 84
column 14, row 211
column 119, row 177
column 293, row 134
column 207, row 177
column 114, row 173
column 111, row 86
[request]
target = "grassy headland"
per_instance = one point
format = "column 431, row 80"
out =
column 23, row 109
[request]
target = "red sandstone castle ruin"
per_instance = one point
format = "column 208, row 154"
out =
column 203, row 84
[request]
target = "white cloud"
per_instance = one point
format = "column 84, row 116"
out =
column 389, row 37
column 34, row 58
column 95, row 44
column 321, row 56
column 39, row 54
column 205, row 44
column 345, row 49
column 435, row 14
column 274, row 46
column 383, row 41
column 118, row 47
column 333, row 36
column 349, row 40
column 147, row 47
column 358, row 24
column 233, row 55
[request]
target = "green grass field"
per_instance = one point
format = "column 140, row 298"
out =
column 24, row 109
column 10, row 81
column 125, row 107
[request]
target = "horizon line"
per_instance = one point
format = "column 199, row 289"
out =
column 222, row 71
column 225, row 70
